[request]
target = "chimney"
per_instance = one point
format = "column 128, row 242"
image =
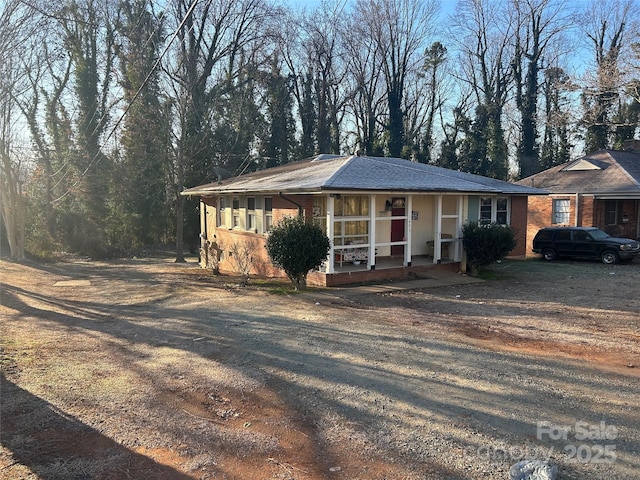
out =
column 632, row 145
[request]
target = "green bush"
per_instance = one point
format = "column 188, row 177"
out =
column 486, row 244
column 297, row 246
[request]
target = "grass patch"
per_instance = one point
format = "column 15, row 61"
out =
column 491, row 275
column 509, row 269
column 282, row 290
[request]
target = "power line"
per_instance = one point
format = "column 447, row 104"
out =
column 133, row 99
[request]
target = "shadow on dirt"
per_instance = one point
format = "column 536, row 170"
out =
column 373, row 377
column 55, row 445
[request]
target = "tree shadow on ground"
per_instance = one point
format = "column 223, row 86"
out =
column 328, row 361
column 55, row 445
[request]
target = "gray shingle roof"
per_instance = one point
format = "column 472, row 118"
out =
column 335, row 173
column 618, row 172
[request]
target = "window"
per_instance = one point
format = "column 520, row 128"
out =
column 501, row 211
column 486, row 210
column 251, row 213
column 351, row 231
column 222, row 217
column 561, row 211
column 347, row 232
column 351, row 206
column 320, row 212
column 494, row 210
column 612, row 207
column 268, row 213
column 581, row 236
column 236, row 212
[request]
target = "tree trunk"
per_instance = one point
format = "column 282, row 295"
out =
column 13, row 211
column 180, row 229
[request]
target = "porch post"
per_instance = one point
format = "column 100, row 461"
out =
column 457, row 255
column 638, row 219
column 332, row 257
column 407, row 233
column 437, row 240
column 371, row 263
column 204, row 235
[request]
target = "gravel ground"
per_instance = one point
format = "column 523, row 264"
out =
column 174, row 373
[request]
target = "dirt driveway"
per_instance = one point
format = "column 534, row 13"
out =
column 148, row 369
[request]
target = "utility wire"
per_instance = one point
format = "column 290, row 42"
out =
column 130, row 104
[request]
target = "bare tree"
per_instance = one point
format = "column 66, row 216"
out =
column 612, row 28
column 290, row 44
column 242, row 255
column 555, row 147
column 324, row 73
column 424, row 100
column 212, row 39
column 16, row 26
column 12, row 201
column 483, row 32
column 634, row 67
column 398, row 29
column 541, row 23
column 367, row 103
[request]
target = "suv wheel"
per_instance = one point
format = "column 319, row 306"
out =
column 609, row 257
column 549, row 254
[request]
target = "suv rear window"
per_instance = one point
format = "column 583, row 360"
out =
column 544, row 235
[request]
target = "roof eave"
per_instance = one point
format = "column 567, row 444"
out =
column 195, row 192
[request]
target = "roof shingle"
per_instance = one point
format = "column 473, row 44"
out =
column 331, row 172
column 619, row 172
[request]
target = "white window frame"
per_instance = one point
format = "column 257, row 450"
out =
column 268, row 214
column 252, row 221
column 235, row 213
column 561, row 211
column 222, row 213
column 494, row 210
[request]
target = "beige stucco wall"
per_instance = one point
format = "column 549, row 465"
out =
column 422, row 228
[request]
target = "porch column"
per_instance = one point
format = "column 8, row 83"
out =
column 437, row 229
column 407, row 233
column 204, row 235
column 638, row 219
column 332, row 256
column 457, row 255
column 371, row 263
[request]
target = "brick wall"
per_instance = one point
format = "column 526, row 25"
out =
column 376, row 276
column 519, row 225
column 540, row 210
column 626, row 229
column 586, row 211
column 256, row 247
column 591, row 213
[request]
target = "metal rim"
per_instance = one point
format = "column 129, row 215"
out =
column 609, row 258
column 549, row 254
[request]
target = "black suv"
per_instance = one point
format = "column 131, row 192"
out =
column 584, row 242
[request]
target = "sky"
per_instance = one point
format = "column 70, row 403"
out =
column 447, row 6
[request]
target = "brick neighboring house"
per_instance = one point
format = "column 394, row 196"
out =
column 601, row 190
column 387, row 218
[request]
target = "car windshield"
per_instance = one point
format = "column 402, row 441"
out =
column 598, row 234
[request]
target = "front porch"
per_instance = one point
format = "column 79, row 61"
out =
column 387, row 269
column 394, row 230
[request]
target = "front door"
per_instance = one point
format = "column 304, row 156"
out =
column 397, row 226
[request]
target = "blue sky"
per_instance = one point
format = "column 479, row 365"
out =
column 447, row 6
